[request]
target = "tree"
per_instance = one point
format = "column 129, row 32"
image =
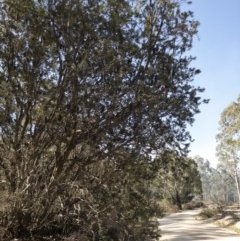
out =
column 210, row 178
column 178, row 178
column 217, row 184
column 225, row 185
column 88, row 85
column 228, row 148
column 206, row 173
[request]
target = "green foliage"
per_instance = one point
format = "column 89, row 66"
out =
column 193, row 205
column 167, row 207
column 88, row 90
column 228, row 138
column 178, row 178
column 217, row 185
column 220, row 184
column 208, row 213
column 209, row 178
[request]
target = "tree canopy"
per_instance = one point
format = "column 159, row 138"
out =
column 228, row 138
column 88, row 88
column 178, row 179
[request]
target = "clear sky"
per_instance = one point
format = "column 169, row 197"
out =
column 218, row 56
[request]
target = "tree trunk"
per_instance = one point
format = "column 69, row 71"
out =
column 178, row 199
column 237, row 181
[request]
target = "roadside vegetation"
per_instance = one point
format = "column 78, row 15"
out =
column 223, row 216
column 220, row 185
column 95, row 99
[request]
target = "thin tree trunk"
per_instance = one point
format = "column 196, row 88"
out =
column 237, row 181
column 178, row 198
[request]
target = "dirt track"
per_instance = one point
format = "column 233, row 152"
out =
column 183, row 226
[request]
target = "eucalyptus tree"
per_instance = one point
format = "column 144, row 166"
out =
column 217, row 185
column 228, row 148
column 178, row 178
column 225, row 185
column 89, row 84
column 206, row 173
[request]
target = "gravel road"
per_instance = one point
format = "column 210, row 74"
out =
column 183, row 226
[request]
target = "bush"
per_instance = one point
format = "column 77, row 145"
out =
column 103, row 202
column 193, row 205
column 167, row 207
column 208, row 213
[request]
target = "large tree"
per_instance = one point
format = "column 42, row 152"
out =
column 89, row 87
column 178, row 178
column 228, row 148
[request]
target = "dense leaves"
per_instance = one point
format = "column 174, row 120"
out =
column 228, row 148
column 178, row 179
column 88, row 90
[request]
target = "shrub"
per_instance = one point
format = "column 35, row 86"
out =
column 208, row 213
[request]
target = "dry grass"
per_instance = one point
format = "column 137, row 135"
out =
column 167, row 207
column 230, row 218
column 225, row 217
column 193, row 205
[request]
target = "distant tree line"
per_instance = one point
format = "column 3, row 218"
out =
column 222, row 184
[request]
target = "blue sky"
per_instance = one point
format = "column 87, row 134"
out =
column 218, row 56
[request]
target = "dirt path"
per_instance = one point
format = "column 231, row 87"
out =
column 183, row 226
